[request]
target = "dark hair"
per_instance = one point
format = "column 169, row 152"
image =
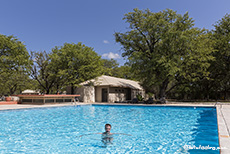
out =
column 108, row 125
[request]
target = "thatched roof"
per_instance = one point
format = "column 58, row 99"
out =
column 28, row 91
column 105, row 80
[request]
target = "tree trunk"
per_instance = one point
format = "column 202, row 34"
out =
column 13, row 89
column 47, row 91
column 162, row 93
column 72, row 89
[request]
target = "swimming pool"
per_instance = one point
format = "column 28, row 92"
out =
column 153, row 129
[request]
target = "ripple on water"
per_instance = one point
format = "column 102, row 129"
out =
column 153, row 129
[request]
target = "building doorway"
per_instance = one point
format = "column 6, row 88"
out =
column 128, row 94
column 104, row 95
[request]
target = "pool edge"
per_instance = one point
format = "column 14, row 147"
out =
column 223, row 132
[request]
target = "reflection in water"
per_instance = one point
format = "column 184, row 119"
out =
column 203, row 136
column 107, row 139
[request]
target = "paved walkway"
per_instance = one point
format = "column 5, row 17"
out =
column 223, row 117
column 25, row 106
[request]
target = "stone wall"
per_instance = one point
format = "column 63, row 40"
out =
column 117, row 94
column 89, row 94
column 116, row 97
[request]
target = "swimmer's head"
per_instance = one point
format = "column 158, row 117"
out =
column 108, row 128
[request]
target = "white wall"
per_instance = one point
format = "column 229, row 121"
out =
column 116, row 97
column 92, row 94
column 117, row 94
column 98, row 93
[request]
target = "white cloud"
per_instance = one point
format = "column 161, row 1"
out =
column 111, row 55
column 106, row 41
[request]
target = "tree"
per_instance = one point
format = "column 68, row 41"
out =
column 112, row 68
column 14, row 64
column 15, row 83
column 42, row 71
column 75, row 63
column 109, row 66
column 164, row 47
column 220, row 69
column 123, row 72
column 13, row 54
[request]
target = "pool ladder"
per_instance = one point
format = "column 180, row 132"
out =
column 75, row 101
column 216, row 105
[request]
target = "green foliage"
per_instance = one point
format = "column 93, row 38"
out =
column 75, row 63
column 67, row 65
column 217, row 85
column 14, row 82
column 139, row 97
column 123, row 72
column 13, row 54
column 109, row 66
column 164, row 47
column 220, row 69
column 14, row 65
column 112, row 68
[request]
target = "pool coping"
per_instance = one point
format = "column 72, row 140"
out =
column 223, row 120
column 223, row 116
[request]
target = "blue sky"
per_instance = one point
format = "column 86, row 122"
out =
column 44, row 24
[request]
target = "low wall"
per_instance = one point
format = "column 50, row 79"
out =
column 8, row 103
column 116, row 97
column 44, row 99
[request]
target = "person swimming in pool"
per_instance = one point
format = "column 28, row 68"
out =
column 107, row 136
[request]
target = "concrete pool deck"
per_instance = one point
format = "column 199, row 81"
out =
column 222, row 109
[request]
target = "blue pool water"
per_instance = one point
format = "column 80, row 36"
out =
column 153, row 129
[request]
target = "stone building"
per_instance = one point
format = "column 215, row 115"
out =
column 107, row 89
